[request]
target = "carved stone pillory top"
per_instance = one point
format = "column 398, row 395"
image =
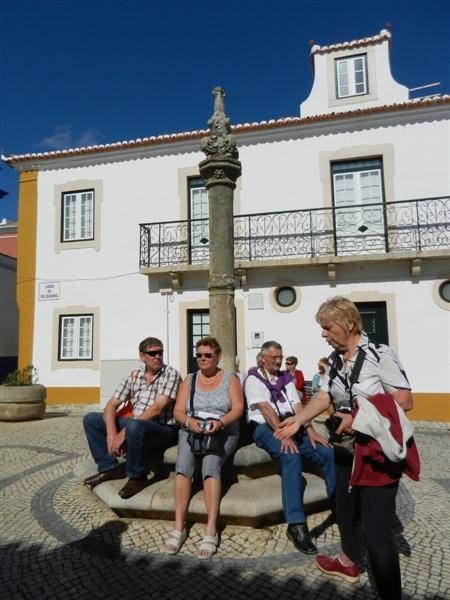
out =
column 220, row 143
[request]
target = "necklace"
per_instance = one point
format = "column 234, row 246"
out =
column 209, row 380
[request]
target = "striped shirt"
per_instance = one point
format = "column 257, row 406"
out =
column 143, row 395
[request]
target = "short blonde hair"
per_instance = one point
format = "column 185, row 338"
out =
column 342, row 311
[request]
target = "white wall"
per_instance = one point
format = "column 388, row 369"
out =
column 276, row 176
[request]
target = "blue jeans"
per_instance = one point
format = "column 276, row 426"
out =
column 291, row 468
column 143, row 438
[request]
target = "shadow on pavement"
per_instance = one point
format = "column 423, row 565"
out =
column 95, row 568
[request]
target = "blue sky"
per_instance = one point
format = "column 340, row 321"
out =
column 81, row 72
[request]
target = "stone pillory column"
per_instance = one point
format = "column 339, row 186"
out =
column 220, row 171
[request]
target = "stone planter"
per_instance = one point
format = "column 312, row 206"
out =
column 22, row 402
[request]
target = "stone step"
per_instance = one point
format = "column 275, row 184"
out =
column 251, row 492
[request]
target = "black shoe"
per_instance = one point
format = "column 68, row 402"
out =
column 300, row 537
column 93, row 480
column 133, row 486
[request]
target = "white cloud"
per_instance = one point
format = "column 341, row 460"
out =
column 61, row 139
column 64, row 137
column 90, row 137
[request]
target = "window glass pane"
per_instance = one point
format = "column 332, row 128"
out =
column 356, row 165
column 67, row 337
column 342, row 78
column 370, row 187
column 69, row 216
column 344, row 189
column 86, row 218
column 360, row 75
column 197, row 329
column 199, row 203
column 85, row 337
column 286, row 296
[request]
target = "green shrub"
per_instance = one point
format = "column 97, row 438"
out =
column 26, row 376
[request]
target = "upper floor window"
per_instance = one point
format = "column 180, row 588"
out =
column 358, row 200
column 357, row 182
column 199, row 218
column 77, row 215
column 351, row 76
column 76, row 337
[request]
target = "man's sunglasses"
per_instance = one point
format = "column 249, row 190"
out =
column 153, row 352
column 205, row 354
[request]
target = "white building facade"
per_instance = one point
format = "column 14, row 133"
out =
column 351, row 198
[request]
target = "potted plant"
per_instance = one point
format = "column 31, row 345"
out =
column 22, row 398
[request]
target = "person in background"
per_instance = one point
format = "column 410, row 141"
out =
column 366, row 487
column 217, row 398
column 258, row 363
column 290, row 363
column 271, row 396
column 150, row 427
column 240, row 374
column 320, row 379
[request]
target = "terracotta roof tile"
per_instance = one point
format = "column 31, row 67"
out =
column 367, row 41
column 239, row 128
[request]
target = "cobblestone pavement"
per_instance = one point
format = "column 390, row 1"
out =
column 58, row 540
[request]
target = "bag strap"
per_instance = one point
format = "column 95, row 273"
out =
column 354, row 375
column 191, row 399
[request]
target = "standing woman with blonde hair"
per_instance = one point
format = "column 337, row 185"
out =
column 217, row 406
column 371, row 488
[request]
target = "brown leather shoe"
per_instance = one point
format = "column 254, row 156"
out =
column 133, row 486
column 93, row 480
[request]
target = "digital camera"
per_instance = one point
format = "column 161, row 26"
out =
column 204, row 425
column 333, row 422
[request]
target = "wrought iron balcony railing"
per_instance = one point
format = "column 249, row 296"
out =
column 404, row 226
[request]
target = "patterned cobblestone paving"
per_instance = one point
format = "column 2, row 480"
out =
column 58, row 540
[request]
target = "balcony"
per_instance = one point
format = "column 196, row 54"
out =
column 408, row 228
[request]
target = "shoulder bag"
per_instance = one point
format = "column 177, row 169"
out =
column 203, row 443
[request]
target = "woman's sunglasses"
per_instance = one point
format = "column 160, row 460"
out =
column 204, row 354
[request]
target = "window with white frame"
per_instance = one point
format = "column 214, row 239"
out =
column 77, row 215
column 351, row 76
column 76, row 337
column 358, row 200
